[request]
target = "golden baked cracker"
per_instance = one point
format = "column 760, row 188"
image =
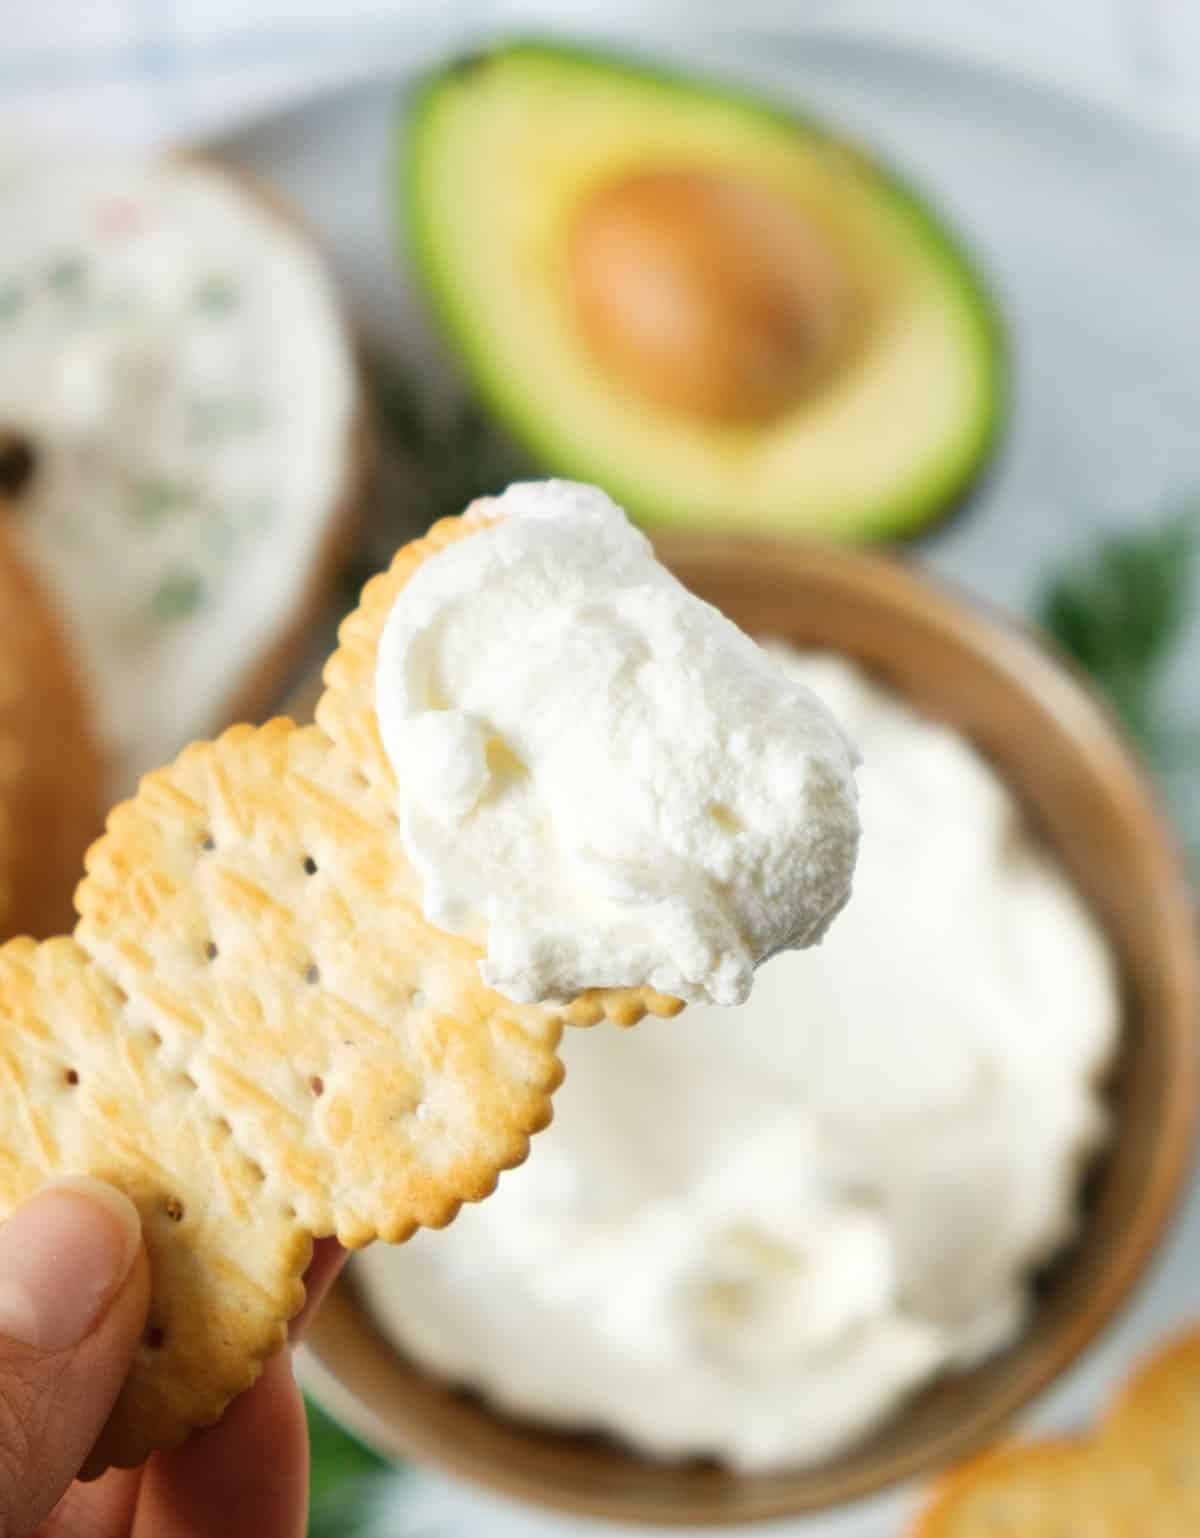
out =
column 347, row 712
column 50, row 771
column 1164, row 1392
column 1138, row 1476
column 255, row 904
column 261, row 927
column 1153, row 1428
column 1028, row 1492
column 257, row 1035
column 85, row 1086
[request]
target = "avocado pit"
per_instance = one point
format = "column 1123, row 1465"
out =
column 709, row 294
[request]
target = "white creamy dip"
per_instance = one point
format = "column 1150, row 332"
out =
column 601, row 778
column 749, row 1234
column 172, row 350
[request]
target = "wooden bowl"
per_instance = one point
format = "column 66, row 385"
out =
column 1085, row 792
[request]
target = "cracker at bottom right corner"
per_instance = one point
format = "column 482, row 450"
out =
column 1136, row 1476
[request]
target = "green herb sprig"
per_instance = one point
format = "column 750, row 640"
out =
column 437, row 454
column 450, row 449
column 1121, row 612
column 344, row 1478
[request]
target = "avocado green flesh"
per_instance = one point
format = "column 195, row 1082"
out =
column 501, row 156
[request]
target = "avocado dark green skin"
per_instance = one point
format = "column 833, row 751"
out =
column 911, row 513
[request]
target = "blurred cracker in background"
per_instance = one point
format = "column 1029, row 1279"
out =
column 50, row 766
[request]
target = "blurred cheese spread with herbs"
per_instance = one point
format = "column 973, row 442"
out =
column 749, row 1234
column 176, row 398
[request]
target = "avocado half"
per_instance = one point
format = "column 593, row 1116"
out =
column 725, row 316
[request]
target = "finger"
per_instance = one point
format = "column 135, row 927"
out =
column 328, row 1258
column 74, row 1286
column 245, row 1477
column 102, row 1509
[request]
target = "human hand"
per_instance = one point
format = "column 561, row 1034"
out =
column 74, row 1289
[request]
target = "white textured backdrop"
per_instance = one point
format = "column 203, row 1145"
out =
column 133, row 72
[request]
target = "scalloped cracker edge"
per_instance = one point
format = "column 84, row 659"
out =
column 255, row 1034
column 1134, row 1477
column 347, row 713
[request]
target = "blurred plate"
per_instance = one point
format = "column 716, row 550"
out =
column 1088, row 223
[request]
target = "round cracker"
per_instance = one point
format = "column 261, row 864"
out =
column 1134, row 1478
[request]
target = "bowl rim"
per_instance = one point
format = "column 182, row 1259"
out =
column 1027, row 658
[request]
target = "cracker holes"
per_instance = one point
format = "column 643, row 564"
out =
column 156, row 1337
column 418, row 998
column 208, row 843
column 71, row 1076
column 317, row 1085
column 188, row 1082
column 223, row 1125
column 310, row 865
column 210, row 951
column 173, row 1209
column 312, row 974
column 421, row 1110
column 256, row 1171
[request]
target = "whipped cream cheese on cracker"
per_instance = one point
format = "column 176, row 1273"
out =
column 602, row 780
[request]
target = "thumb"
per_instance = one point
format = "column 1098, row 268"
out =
column 74, row 1286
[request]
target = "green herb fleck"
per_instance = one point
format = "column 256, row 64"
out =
column 259, row 511
column 220, row 535
column 66, row 274
column 216, row 295
column 12, row 299
column 121, row 304
column 153, row 497
column 178, row 596
column 222, row 416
